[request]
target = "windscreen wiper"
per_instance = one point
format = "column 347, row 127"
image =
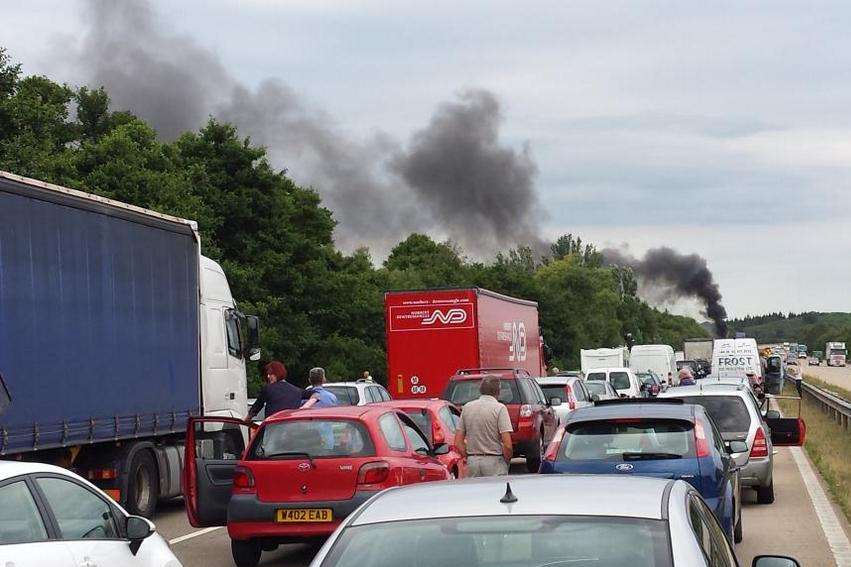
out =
column 649, row 456
column 284, row 454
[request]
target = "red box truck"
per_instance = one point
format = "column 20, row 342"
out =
column 433, row 333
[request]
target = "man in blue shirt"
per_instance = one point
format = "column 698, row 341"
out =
column 319, row 397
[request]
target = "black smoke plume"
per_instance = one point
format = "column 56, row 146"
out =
column 685, row 275
column 455, row 178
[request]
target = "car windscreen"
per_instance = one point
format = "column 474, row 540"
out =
column 627, row 439
column 554, row 391
column 504, row 541
column 596, row 376
column 346, row 395
column 462, row 391
column 316, row 438
column 619, row 380
column 729, row 412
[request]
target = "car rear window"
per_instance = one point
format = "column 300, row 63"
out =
column 729, row 412
column 314, row 437
column 619, row 380
column 598, row 388
column 462, row 391
column 554, row 391
column 505, row 541
column 596, row 376
column 628, row 439
column 346, row 395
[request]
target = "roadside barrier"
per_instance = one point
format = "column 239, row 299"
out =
column 831, row 404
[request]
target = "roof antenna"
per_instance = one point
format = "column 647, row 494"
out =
column 508, row 497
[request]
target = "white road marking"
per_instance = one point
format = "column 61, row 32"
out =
column 193, row 534
column 836, row 538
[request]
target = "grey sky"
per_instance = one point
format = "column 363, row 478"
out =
column 718, row 128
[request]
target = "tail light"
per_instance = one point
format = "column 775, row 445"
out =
column 376, row 472
column 568, row 395
column 701, row 444
column 437, row 435
column 243, row 480
column 760, row 445
column 552, row 449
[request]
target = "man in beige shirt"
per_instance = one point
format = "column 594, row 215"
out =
column 483, row 435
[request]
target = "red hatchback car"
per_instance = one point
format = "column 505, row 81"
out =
column 302, row 472
column 438, row 419
column 533, row 420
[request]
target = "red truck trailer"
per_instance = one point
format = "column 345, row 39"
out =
column 433, row 333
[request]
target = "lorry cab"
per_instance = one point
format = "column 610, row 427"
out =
column 229, row 340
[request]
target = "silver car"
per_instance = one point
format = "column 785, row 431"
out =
column 536, row 520
column 571, row 392
column 736, row 412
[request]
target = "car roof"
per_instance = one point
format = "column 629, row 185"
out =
column 414, row 403
column 629, row 409
column 556, row 380
column 8, row 469
column 354, row 384
column 558, row 495
column 704, row 389
column 349, row 412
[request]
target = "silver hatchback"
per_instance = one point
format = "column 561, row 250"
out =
column 536, row 520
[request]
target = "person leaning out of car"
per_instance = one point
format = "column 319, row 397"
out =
column 277, row 394
column 483, row 435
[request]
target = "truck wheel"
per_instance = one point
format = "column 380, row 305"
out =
column 246, row 553
column 534, row 454
column 765, row 494
column 143, row 486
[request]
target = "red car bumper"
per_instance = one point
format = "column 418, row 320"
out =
column 274, row 530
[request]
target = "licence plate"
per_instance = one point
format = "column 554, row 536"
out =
column 299, row 515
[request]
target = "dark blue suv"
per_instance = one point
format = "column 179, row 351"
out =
column 652, row 438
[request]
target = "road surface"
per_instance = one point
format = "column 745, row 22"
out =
column 790, row 526
column 836, row 375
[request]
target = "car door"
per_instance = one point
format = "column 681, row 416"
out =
column 548, row 415
column 89, row 524
column 729, row 482
column 428, row 468
column 214, row 445
column 25, row 539
column 717, row 550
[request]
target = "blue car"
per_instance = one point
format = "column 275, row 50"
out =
column 652, row 438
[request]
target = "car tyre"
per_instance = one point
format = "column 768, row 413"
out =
column 765, row 494
column 143, row 485
column 246, row 553
column 534, row 455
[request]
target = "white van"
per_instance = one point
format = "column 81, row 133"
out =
column 658, row 358
column 623, row 380
column 734, row 356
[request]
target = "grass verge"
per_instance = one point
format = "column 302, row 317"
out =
column 828, row 445
column 836, row 390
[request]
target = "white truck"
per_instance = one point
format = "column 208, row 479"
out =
column 657, row 358
column 114, row 329
column 591, row 359
column 835, row 353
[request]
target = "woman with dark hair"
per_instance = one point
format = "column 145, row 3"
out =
column 277, row 394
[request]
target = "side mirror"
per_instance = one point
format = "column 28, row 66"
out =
column 138, row 529
column 555, row 402
column 595, row 398
column 737, row 447
column 772, row 414
column 623, row 396
column 253, row 346
column 774, row 561
column 441, row 449
column 424, row 451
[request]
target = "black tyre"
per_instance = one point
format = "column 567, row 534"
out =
column 534, row 455
column 737, row 532
column 143, row 485
column 765, row 494
column 246, row 553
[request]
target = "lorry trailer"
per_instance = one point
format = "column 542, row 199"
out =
column 114, row 329
column 591, row 359
column 433, row 333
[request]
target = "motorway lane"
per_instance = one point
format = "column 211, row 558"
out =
column 789, row 526
column 836, row 375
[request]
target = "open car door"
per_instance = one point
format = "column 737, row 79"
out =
column 214, row 446
column 786, row 431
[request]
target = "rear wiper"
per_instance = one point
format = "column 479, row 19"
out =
column 291, row 454
column 649, row 456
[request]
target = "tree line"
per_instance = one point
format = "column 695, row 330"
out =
column 274, row 238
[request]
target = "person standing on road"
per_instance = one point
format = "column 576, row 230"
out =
column 277, row 394
column 317, row 396
column 483, row 435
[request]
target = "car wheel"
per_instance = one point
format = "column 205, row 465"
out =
column 765, row 494
column 143, row 486
column 533, row 456
column 246, row 553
